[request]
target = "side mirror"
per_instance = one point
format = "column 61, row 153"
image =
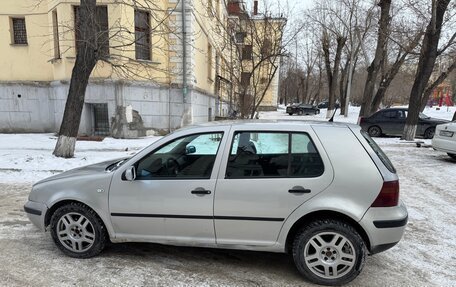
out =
column 130, row 173
column 190, row 149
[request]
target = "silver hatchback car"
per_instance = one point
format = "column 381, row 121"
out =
column 323, row 192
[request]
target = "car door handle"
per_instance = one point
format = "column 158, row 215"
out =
column 299, row 189
column 200, row 190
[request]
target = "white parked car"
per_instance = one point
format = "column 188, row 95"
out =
column 445, row 138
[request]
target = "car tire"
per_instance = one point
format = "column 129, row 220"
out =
column 300, row 112
column 290, row 114
column 78, row 231
column 329, row 252
column 317, row 112
column 452, row 155
column 429, row 133
column 374, row 131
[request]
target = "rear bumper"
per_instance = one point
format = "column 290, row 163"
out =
column 384, row 226
column 36, row 212
column 447, row 145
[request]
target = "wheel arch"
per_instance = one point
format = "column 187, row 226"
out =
column 51, row 210
column 324, row 214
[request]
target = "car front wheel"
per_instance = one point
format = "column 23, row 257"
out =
column 300, row 112
column 78, row 231
column 329, row 252
column 452, row 155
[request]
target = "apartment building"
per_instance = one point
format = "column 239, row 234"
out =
column 166, row 64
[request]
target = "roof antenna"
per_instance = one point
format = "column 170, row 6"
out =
column 332, row 117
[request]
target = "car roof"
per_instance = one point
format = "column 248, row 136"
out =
column 269, row 123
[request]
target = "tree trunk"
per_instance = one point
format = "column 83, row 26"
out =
column 425, row 67
column 333, row 73
column 343, row 86
column 377, row 62
column 86, row 59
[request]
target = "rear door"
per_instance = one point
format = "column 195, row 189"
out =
column 264, row 176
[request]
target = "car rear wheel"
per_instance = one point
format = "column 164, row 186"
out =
column 78, row 231
column 452, row 155
column 290, row 114
column 374, row 131
column 329, row 252
column 429, row 133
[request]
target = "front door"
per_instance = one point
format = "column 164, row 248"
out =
column 171, row 199
column 264, row 176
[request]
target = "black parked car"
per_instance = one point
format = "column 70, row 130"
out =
column 392, row 121
column 325, row 104
column 302, row 109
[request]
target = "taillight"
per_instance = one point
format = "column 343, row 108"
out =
column 388, row 196
column 360, row 120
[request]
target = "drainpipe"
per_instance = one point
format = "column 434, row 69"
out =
column 184, row 55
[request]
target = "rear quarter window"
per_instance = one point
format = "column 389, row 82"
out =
column 379, row 152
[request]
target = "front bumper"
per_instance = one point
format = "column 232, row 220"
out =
column 36, row 212
column 384, row 226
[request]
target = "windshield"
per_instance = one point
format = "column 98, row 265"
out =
column 423, row 116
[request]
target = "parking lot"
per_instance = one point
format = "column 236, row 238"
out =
column 425, row 256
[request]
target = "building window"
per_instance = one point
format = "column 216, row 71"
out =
column 142, row 35
column 55, row 31
column 19, row 31
column 101, row 21
column 245, row 79
column 239, row 37
column 209, row 61
column 247, row 52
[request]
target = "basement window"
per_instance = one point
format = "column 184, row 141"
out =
column 19, row 32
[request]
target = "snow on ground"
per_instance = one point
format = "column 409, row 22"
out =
column 425, row 257
column 28, row 157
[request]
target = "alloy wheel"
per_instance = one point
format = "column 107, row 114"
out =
column 75, row 232
column 329, row 255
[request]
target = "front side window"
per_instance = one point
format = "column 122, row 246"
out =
column 273, row 154
column 390, row 114
column 190, row 157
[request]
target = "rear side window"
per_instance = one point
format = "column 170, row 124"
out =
column 378, row 151
column 273, row 155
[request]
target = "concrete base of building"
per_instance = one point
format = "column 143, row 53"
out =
column 117, row 108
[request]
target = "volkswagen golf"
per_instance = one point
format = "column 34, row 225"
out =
column 324, row 193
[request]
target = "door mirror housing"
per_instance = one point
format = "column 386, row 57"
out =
column 190, row 149
column 130, row 173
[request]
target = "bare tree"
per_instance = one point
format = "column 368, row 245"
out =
column 428, row 54
column 332, row 72
column 380, row 52
column 89, row 51
column 117, row 46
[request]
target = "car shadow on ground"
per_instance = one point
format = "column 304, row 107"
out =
column 214, row 258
